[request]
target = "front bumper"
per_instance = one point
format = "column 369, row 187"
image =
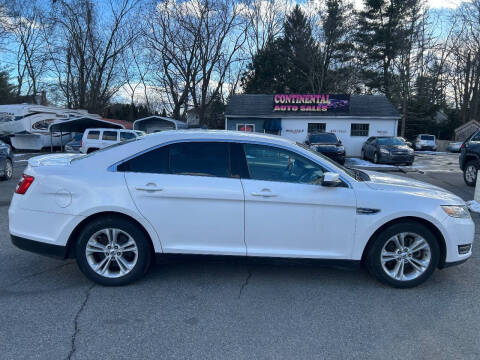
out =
column 338, row 157
column 396, row 158
column 38, row 247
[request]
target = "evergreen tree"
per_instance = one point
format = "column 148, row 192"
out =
column 7, row 90
column 380, row 37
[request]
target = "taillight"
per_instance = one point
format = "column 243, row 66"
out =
column 463, row 145
column 24, row 184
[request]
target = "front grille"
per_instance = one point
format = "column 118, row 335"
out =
column 464, row 249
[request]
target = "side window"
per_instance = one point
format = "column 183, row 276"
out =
column 93, row 135
column 152, row 162
column 126, row 136
column 359, row 129
column 200, row 158
column 275, row 164
column 109, row 135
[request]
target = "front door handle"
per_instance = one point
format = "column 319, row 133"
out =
column 264, row 193
column 150, row 187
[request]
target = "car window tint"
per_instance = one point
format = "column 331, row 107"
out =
column 152, row 162
column 109, row 135
column 93, row 135
column 275, row 164
column 126, row 136
column 200, row 158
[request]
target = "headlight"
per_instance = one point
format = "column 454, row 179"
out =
column 384, row 151
column 340, row 149
column 456, row 211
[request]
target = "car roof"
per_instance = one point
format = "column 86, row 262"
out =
column 109, row 129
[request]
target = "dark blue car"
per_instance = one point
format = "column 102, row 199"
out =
column 6, row 161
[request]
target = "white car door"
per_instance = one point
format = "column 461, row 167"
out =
column 188, row 193
column 288, row 214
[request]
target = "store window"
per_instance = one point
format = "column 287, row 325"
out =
column 359, row 129
column 246, row 127
column 316, row 127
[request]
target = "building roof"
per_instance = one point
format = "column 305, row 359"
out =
column 466, row 125
column 178, row 123
column 261, row 105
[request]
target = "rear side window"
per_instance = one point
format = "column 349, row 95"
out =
column 109, row 135
column 126, row 136
column 200, row 158
column 93, row 135
column 152, row 162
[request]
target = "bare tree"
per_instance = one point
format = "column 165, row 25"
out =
column 87, row 48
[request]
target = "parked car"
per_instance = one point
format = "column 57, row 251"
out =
column 96, row 139
column 6, row 161
column 387, row 150
column 454, row 147
column 237, row 194
column 73, row 146
column 327, row 144
column 469, row 158
column 425, row 142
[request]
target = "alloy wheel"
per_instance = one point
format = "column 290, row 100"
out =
column 8, row 169
column 471, row 173
column 111, row 253
column 405, row 256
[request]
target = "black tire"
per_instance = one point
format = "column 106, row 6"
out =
column 373, row 256
column 471, row 165
column 7, row 174
column 142, row 242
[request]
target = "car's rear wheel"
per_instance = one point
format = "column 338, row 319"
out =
column 113, row 251
column 404, row 255
column 470, row 172
column 7, row 170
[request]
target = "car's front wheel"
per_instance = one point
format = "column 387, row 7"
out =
column 113, row 251
column 7, row 170
column 470, row 172
column 404, row 255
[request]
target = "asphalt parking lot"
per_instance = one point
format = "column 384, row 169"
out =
column 235, row 309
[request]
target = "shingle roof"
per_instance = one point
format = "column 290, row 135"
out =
column 253, row 105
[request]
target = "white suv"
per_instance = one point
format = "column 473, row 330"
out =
column 95, row 139
column 425, row 142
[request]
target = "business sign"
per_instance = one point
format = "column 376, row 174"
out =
column 311, row 103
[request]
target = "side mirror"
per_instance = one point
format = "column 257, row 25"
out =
column 339, row 142
column 330, row 179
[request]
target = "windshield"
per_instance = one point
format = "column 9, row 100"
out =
column 325, row 138
column 354, row 173
column 427, row 137
column 390, row 141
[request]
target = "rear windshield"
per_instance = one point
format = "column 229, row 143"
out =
column 390, row 141
column 108, row 148
column 324, row 138
column 427, row 137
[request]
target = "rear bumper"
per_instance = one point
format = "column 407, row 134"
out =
column 38, row 247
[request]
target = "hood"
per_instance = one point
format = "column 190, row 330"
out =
column 53, row 159
column 387, row 182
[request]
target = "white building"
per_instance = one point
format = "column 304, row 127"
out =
column 352, row 118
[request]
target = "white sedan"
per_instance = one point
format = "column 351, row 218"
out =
column 232, row 193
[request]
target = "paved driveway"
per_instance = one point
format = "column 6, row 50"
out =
column 235, row 309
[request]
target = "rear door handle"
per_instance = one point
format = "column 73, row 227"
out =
column 150, row 187
column 264, row 193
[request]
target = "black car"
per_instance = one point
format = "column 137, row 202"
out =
column 387, row 150
column 6, row 161
column 328, row 145
column 470, row 158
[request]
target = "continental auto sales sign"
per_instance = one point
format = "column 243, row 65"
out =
column 311, row 103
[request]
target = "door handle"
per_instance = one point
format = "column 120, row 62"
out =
column 149, row 187
column 264, row 193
